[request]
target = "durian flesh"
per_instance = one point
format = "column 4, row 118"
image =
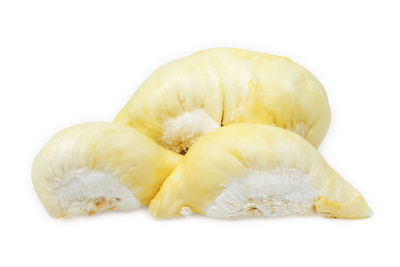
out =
column 94, row 167
column 247, row 170
column 189, row 97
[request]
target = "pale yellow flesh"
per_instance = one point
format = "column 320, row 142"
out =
column 229, row 85
column 229, row 154
column 103, row 158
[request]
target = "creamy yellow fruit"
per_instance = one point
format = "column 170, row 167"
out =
column 190, row 97
column 94, row 167
column 246, row 170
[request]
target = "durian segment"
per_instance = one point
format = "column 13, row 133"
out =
column 94, row 167
column 189, row 97
column 178, row 103
column 247, row 170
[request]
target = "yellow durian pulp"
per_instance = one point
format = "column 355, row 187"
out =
column 94, row 167
column 189, row 97
column 246, row 170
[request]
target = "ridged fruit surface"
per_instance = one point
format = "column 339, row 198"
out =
column 186, row 98
column 94, row 167
column 249, row 170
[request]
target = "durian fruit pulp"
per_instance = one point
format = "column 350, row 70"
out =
column 95, row 167
column 250, row 170
column 191, row 96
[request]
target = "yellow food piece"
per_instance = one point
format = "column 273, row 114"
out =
column 246, row 170
column 189, row 97
column 94, row 167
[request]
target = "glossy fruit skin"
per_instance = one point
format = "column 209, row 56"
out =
column 136, row 161
column 229, row 153
column 230, row 85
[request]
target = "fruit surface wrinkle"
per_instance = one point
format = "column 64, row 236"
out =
column 228, row 86
column 251, row 170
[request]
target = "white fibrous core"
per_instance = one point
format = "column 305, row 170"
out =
column 182, row 131
column 265, row 193
column 186, row 211
column 87, row 192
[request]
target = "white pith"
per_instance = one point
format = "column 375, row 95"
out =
column 186, row 211
column 261, row 193
column 86, row 192
column 182, row 131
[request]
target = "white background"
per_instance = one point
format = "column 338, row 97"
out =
column 66, row 62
